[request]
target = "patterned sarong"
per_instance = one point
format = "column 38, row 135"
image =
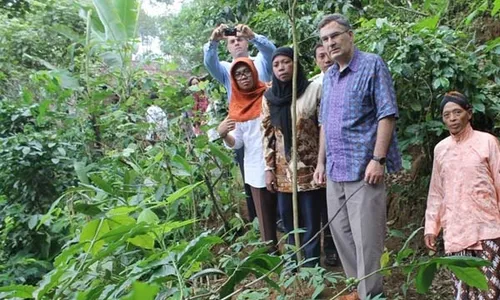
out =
column 490, row 252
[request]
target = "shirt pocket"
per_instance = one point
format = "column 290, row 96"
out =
column 360, row 98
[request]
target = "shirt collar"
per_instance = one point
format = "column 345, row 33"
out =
column 464, row 135
column 353, row 64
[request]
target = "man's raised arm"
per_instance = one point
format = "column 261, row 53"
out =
column 263, row 61
column 211, row 57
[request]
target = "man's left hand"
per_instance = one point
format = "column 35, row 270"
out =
column 244, row 31
column 374, row 173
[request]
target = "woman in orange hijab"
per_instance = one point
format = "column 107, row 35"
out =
column 242, row 128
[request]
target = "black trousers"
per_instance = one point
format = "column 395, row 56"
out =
column 310, row 220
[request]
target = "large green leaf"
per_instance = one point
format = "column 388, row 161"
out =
column 68, row 32
column 66, row 254
column 113, row 27
column 82, row 170
column 492, row 44
column 143, row 291
column 133, row 231
column 257, row 263
column 425, row 276
column 128, row 13
column 117, row 233
column 65, row 79
column 169, row 226
column 144, row 241
column 164, row 271
column 49, row 281
column 226, row 159
column 98, row 29
column 112, row 59
column 87, row 209
column 102, row 184
column 17, row 291
column 427, row 23
column 461, row 261
column 148, row 216
column 178, row 194
column 119, row 18
column 496, row 7
column 471, row 276
column 198, row 249
column 121, row 211
column 91, row 234
column 182, row 163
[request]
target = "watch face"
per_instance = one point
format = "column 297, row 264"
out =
column 380, row 160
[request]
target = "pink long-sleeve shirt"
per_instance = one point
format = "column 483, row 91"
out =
column 464, row 191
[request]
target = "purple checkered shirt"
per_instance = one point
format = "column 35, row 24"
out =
column 353, row 102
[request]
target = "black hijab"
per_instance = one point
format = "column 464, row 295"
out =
column 279, row 98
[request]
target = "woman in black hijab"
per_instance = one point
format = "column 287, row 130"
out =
column 277, row 142
column 279, row 96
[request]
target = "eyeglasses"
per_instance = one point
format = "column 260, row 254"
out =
column 239, row 75
column 333, row 35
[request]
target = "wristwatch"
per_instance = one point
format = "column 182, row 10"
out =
column 380, row 160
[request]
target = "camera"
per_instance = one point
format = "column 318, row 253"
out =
column 230, row 31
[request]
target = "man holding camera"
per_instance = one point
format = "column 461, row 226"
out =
column 237, row 45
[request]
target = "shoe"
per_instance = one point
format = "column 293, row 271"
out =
column 351, row 296
column 331, row 259
column 279, row 226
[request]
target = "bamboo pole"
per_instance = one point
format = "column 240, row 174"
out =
column 294, row 130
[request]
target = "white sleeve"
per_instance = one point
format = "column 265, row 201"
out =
column 237, row 134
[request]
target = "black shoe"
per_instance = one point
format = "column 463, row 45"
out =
column 331, row 259
column 279, row 226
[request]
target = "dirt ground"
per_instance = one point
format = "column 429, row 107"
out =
column 393, row 284
column 402, row 218
column 393, row 287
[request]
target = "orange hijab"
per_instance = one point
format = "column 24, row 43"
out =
column 245, row 105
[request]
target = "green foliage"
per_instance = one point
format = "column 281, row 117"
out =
column 496, row 8
column 15, row 8
column 465, row 268
column 119, row 18
column 89, row 209
column 38, row 145
column 257, row 263
column 26, row 37
column 17, row 291
column 425, row 57
column 183, row 39
column 425, row 63
column 421, row 269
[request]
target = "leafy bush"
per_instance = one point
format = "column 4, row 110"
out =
column 89, row 209
column 427, row 61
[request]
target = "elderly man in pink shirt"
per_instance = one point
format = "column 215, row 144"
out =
column 464, row 195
